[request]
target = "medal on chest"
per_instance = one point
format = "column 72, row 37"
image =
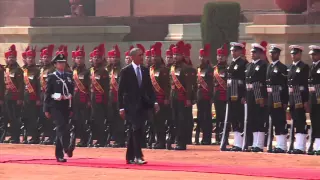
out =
column 298, row 70
column 31, row 77
column 257, row 68
column 156, row 74
column 318, row 71
column 275, row 70
column 177, row 73
column 235, row 67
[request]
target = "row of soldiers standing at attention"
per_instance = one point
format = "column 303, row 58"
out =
column 244, row 94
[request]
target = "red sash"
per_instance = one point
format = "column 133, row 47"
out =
column 33, row 95
column 155, row 84
column 95, row 83
column 115, row 86
column 202, row 82
column 79, row 84
column 176, row 81
column 221, row 82
column 9, row 84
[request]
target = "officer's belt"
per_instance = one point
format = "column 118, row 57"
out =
column 233, row 85
column 256, row 88
column 295, row 95
column 314, row 90
column 274, row 95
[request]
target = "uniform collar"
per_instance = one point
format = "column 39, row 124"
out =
column 316, row 63
column 296, row 63
column 255, row 61
column 234, row 60
column 274, row 62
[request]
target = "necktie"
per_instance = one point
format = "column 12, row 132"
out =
column 138, row 75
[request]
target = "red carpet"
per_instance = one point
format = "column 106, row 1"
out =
column 288, row 173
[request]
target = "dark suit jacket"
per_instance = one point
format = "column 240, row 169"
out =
column 133, row 99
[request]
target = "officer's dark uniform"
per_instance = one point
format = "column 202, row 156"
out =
column 298, row 73
column 81, row 98
column 31, row 109
column 278, row 97
column 235, row 92
column 256, row 95
column 2, row 85
column 57, row 102
column 13, row 92
column 314, row 90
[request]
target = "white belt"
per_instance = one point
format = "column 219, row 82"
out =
column 239, row 81
column 312, row 89
column 59, row 97
column 301, row 88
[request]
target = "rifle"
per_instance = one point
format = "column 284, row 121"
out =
column 270, row 136
column 291, row 136
column 3, row 128
column 72, row 131
column 311, row 140
column 245, row 131
column 197, row 134
column 149, row 134
column 223, row 145
column 171, row 136
column 89, row 132
column 23, row 128
column 41, row 131
column 107, row 133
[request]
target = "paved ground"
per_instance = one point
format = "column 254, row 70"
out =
column 195, row 154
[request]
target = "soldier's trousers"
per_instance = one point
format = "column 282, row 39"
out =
column 48, row 126
column 299, row 118
column 256, row 117
column 30, row 118
column 180, row 114
column 279, row 120
column 99, row 114
column 117, row 124
column 160, row 123
column 190, row 124
column 315, row 120
column 220, row 107
column 236, row 116
column 205, row 119
column 12, row 114
column 80, row 116
column 60, row 116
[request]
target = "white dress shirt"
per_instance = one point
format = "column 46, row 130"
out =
column 316, row 63
column 274, row 62
column 135, row 69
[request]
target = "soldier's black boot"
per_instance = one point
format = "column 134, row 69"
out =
column 159, row 146
column 118, row 145
column 180, row 147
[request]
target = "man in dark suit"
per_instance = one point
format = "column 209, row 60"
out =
column 136, row 97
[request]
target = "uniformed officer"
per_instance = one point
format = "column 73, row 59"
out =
column 314, row 89
column 58, row 105
column 13, row 93
column 204, row 94
column 159, row 75
column 193, row 78
column 31, row 105
column 278, row 97
column 117, row 124
column 63, row 49
column 220, row 90
column 100, row 82
column 81, row 98
column 298, row 73
column 235, row 97
column 47, row 68
column 181, row 95
column 256, row 96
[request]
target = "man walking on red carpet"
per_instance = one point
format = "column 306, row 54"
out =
column 136, row 97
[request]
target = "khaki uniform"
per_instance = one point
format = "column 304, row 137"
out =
column 31, row 77
column 99, row 87
column 14, row 90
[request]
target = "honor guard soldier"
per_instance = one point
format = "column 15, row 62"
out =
column 31, row 106
column 24, row 57
column 220, row 90
column 278, row 98
column 204, row 94
column 100, row 82
column 47, row 68
column 63, row 49
column 193, row 79
column 58, row 105
column 81, row 98
column 314, row 89
column 235, row 97
column 2, row 88
column 117, row 124
column 148, row 58
column 298, row 73
column 127, row 59
column 160, row 80
column 256, row 96
column 181, row 94
column 14, row 89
